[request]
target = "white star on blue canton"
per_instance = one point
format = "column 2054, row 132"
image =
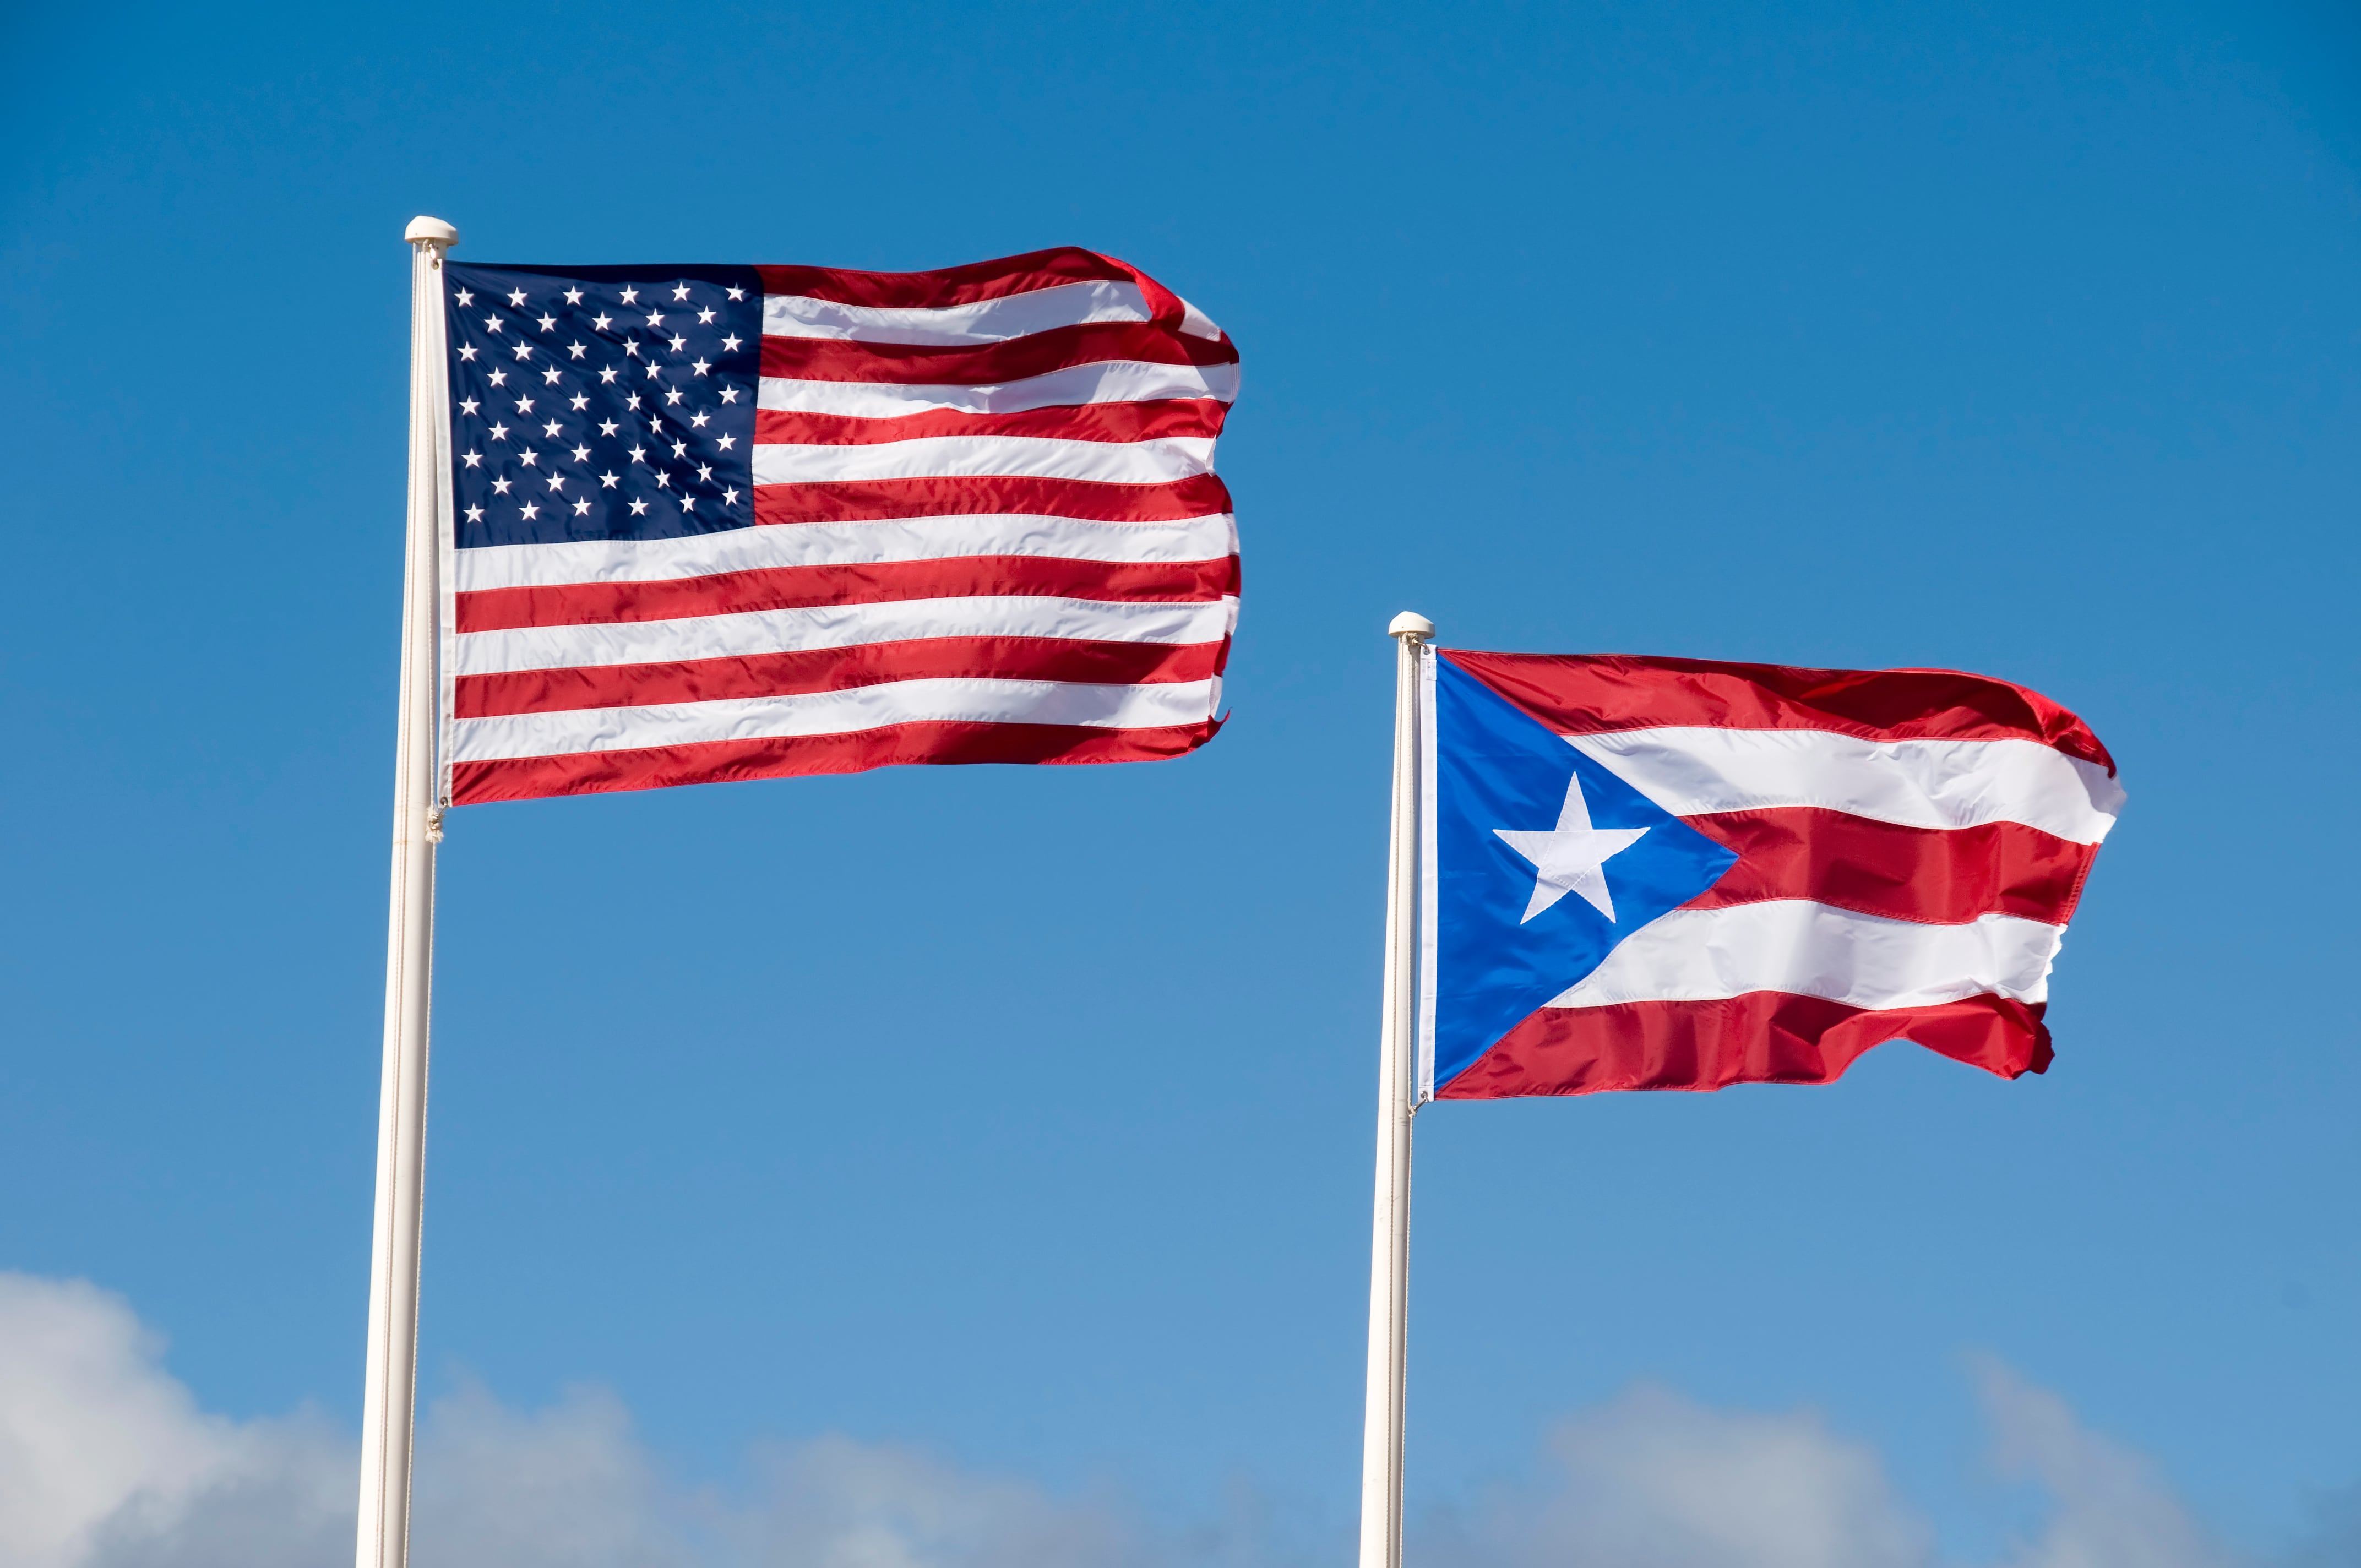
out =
column 1571, row 857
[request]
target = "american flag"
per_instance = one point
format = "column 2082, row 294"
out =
column 733, row 523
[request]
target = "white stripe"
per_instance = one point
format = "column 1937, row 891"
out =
column 1695, row 771
column 1197, row 323
column 986, row 320
column 933, row 456
column 1108, row 381
column 840, row 626
column 841, row 543
column 834, row 713
column 1815, row 950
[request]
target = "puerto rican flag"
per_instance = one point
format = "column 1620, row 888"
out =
column 1674, row 873
column 711, row 522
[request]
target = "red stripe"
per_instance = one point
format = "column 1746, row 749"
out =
column 1766, row 1037
column 1938, row 876
column 1586, row 693
column 837, row 669
column 1082, row 422
column 880, row 582
column 1036, row 354
column 718, row 761
column 867, row 500
column 965, row 285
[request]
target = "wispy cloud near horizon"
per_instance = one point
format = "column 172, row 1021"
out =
column 106, row 1461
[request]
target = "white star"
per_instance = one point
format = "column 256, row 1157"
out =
column 703, row 475
column 729, row 394
column 688, row 504
column 680, row 449
column 575, row 351
column 491, row 323
column 606, row 481
column 549, row 324
column 517, row 298
column 529, row 455
column 729, row 344
column 499, row 487
column 655, row 318
column 606, row 427
column 466, row 298
column 631, row 296
column 680, row 291
column 468, row 352
column 531, row 511
column 635, row 399
column 663, row 480
column 654, row 370
column 699, row 417
column 639, row 454
column 582, row 454
column 525, row 351
column 632, row 347
column 550, row 375
column 468, row 406
column 500, row 432
column 672, row 397
column 475, row 514
column 606, row 376
column 1572, row 857
column 678, row 344
column 525, row 405
column 737, row 293
column 728, row 442
column 603, row 323
column 557, row 481
column 705, row 318
column 499, row 378
column 577, row 402
column 702, row 366
column 730, row 497
column 473, row 459
column 582, row 507
column 573, row 296
column 638, row 507
column 550, row 430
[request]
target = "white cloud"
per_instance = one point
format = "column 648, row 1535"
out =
column 1655, row 1481
column 2109, row 1506
column 102, row 1452
column 840, row 1504
column 105, row 1461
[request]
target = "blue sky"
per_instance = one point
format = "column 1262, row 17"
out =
column 1020, row 1116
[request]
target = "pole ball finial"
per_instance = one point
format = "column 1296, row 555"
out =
column 1409, row 623
column 424, row 230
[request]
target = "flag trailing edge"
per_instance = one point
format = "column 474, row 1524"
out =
column 725, row 522
column 1677, row 874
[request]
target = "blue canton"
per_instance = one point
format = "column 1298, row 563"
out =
column 1496, row 959
column 604, row 403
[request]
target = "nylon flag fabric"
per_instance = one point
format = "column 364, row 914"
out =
column 1672, row 873
column 733, row 523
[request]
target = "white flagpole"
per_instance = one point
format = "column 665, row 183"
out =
column 391, row 1400
column 1381, row 1431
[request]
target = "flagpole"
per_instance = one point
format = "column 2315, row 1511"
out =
column 1381, row 1429
column 390, row 1404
